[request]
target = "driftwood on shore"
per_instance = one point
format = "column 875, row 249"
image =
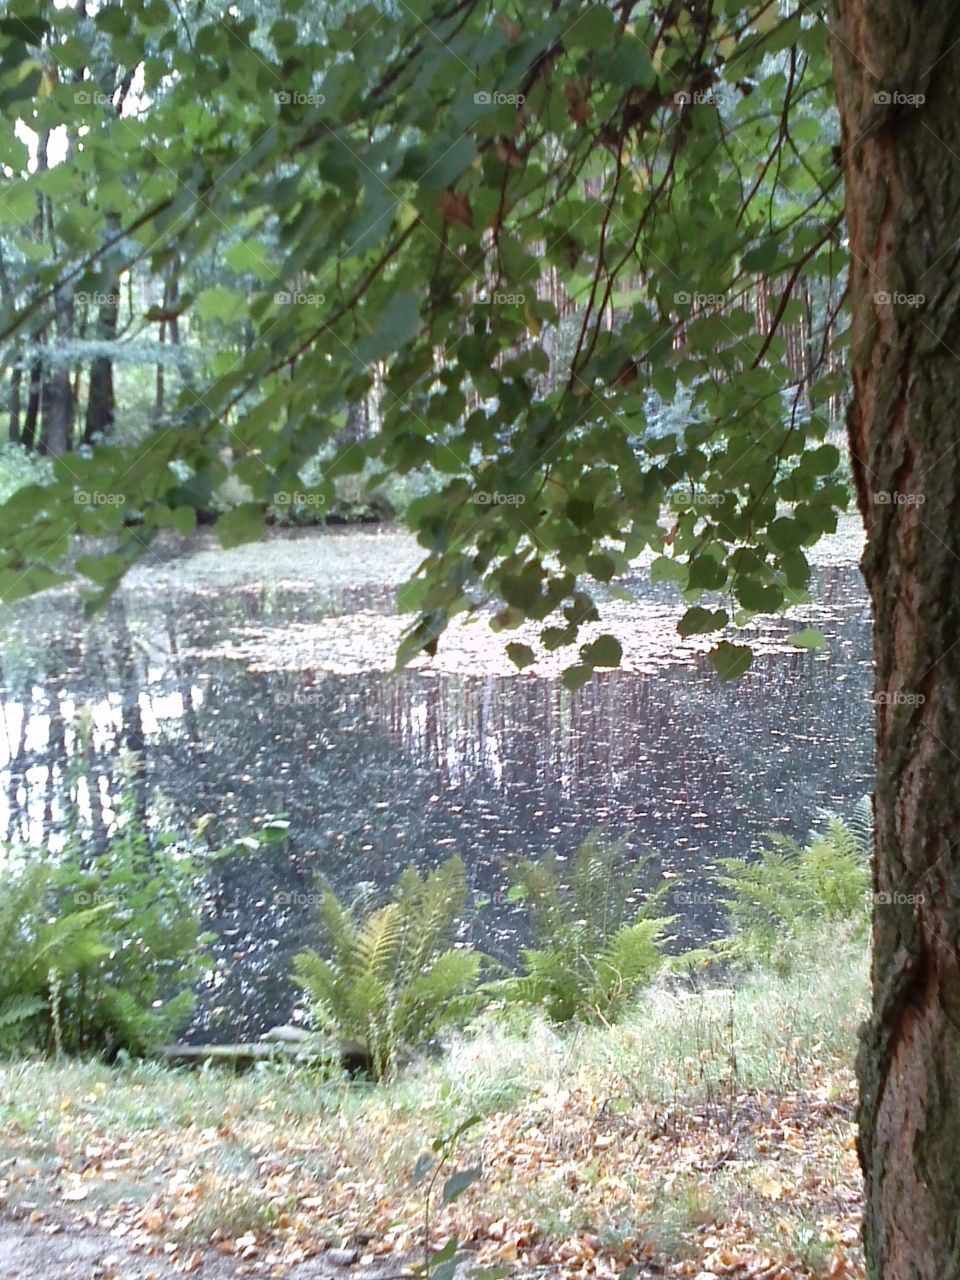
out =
column 235, row 1055
column 290, row 1044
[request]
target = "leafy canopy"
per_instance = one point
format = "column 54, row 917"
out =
column 430, row 178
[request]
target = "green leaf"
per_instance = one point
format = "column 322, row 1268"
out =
column 521, row 655
column 455, row 1186
column 423, row 1166
column 707, row 573
column 242, row 524
column 249, row 255
column 396, row 325
column 808, row 639
column 605, row 651
column 665, row 569
column 730, row 661
column 575, row 677
column 219, row 303
column 698, row 622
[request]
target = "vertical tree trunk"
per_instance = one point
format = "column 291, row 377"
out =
column 101, row 408
column 902, row 170
column 57, row 421
column 16, row 370
column 34, row 396
column 13, row 404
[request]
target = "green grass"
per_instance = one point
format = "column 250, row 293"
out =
column 768, row 1031
column 684, row 1071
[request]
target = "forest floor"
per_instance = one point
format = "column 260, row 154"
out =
column 710, row 1136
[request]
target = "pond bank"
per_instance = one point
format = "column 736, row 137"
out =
column 708, row 1134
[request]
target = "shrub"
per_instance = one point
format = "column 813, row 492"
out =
column 598, row 942
column 36, row 945
column 101, row 950
column 794, row 887
column 390, row 978
column 138, row 991
column 19, row 468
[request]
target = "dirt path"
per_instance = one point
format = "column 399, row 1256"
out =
column 54, row 1250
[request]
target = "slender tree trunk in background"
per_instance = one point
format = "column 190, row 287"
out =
column 34, row 396
column 902, row 171
column 159, row 390
column 16, row 371
column 58, row 405
column 13, row 404
column 100, row 396
column 170, row 333
column 101, row 407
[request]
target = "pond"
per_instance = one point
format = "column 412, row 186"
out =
column 258, row 682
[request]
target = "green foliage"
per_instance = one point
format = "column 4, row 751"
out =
column 598, row 942
column 138, row 991
column 793, row 888
column 390, row 978
column 19, row 468
column 100, row 951
column 536, row 245
column 35, row 942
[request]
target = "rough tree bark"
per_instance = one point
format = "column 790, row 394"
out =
column 101, row 408
column 902, row 170
column 57, row 420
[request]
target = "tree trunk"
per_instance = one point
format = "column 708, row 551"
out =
column 902, row 171
column 101, row 408
column 16, row 371
column 13, row 404
column 57, row 421
column 34, row 395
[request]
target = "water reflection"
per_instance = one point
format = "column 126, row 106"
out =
column 374, row 772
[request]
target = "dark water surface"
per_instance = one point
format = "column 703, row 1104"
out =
column 228, row 688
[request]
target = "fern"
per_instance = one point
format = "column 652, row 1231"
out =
column 390, row 979
column 793, row 887
column 34, row 941
column 123, row 969
column 598, row 938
